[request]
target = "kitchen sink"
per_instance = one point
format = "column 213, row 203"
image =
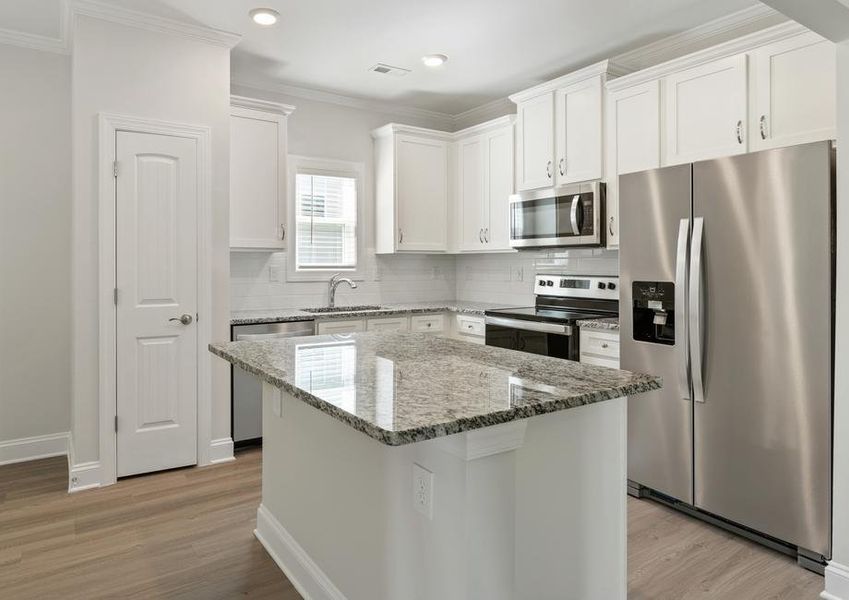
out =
column 328, row 309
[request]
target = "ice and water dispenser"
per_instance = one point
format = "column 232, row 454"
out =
column 654, row 311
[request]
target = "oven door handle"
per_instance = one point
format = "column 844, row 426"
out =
column 530, row 325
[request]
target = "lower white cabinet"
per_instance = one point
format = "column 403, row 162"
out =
column 352, row 326
column 427, row 323
column 470, row 328
column 600, row 347
column 388, row 324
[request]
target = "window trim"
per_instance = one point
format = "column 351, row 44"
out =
column 334, row 168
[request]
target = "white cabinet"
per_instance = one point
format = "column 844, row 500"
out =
column 327, row 327
column 793, row 92
column 388, row 324
column 599, row 347
column 633, row 141
column 535, row 142
column 470, row 328
column 484, row 183
column 578, row 131
column 257, row 174
column 427, row 323
column 706, row 108
column 411, row 189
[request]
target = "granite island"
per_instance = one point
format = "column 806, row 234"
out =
column 408, row 466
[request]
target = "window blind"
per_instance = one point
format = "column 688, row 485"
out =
column 326, row 214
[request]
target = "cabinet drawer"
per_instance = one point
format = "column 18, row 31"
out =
column 425, row 323
column 470, row 326
column 599, row 362
column 391, row 324
column 340, row 326
column 599, row 343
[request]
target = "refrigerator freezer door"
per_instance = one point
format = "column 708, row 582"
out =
column 763, row 432
column 652, row 206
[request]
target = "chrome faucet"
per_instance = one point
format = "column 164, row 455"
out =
column 334, row 283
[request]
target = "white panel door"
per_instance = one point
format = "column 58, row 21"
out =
column 156, row 276
column 535, row 151
column 794, row 92
column 706, row 109
column 470, row 193
column 499, row 188
column 257, row 179
column 421, row 172
column 578, row 131
column 633, row 142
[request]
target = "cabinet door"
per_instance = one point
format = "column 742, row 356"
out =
column 421, row 193
column 470, row 193
column 535, row 151
column 499, row 188
column 578, row 131
column 633, row 142
column 328, row 327
column 388, row 324
column 793, row 88
column 257, row 179
column 706, row 110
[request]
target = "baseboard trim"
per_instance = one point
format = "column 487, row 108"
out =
column 221, row 451
column 310, row 581
column 836, row 582
column 84, row 476
column 33, row 448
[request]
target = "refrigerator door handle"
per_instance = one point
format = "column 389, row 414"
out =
column 682, row 340
column 696, row 317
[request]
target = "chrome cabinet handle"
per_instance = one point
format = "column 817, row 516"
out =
column 184, row 319
column 681, row 340
column 480, row 235
column 486, row 235
column 610, row 226
column 561, row 166
column 282, row 232
column 696, row 311
column 400, row 236
column 604, row 345
column 739, row 132
column 548, row 169
column 763, row 126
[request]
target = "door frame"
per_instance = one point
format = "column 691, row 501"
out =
column 109, row 125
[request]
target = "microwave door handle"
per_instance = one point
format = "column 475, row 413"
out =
column 696, row 317
column 573, row 215
column 681, row 341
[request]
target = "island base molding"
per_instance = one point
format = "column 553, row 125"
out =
column 836, row 582
column 530, row 509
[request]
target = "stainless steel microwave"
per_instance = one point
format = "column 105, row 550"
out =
column 565, row 216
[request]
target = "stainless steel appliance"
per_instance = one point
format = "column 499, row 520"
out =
column 565, row 216
column 726, row 269
column 548, row 327
column 246, row 390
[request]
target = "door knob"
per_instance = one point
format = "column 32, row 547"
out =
column 184, row 319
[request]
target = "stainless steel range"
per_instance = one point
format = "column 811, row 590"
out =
column 549, row 327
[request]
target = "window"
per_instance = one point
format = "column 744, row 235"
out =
column 325, row 210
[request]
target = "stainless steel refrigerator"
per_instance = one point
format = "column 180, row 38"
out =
column 726, row 271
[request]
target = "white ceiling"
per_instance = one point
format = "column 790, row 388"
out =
column 496, row 47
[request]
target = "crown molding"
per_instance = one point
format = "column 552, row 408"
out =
column 60, row 45
column 392, row 128
column 97, row 9
column 486, row 112
column 604, row 67
column 442, row 119
column 739, row 45
column 483, row 127
column 261, row 105
column 713, row 32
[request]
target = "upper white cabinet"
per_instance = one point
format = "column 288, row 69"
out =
column 578, row 131
column 257, row 174
column 633, row 141
column 793, row 95
column 411, row 189
column 559, row 129
column 706, row 111
column 535, row 137
column 484, row 184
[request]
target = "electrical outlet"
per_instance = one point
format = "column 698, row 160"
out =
column 274, row 274
column 518, row 273
column 423, row 491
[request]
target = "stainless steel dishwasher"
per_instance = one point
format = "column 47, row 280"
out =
column 246, row 389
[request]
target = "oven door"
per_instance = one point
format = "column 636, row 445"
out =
column 566, row 216
column 548, row 339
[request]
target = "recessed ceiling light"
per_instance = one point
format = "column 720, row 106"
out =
column 264, row 16
column 434, row 60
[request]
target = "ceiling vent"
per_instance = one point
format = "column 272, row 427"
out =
column 385, row 69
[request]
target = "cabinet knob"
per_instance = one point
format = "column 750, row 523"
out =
column 739, row 132
column 610, row 226
column 561, row 166
column 763, row 126
column 548, row 169
column 282, row 232
column 604, row 345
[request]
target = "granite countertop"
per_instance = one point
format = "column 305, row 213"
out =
column 609, row 324
column 400, row 388
column 249, row 317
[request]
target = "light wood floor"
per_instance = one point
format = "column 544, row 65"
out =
column 188, row 534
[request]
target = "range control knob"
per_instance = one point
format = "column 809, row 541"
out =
column 611, row 286
column 602, row 285
column 549, row 283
